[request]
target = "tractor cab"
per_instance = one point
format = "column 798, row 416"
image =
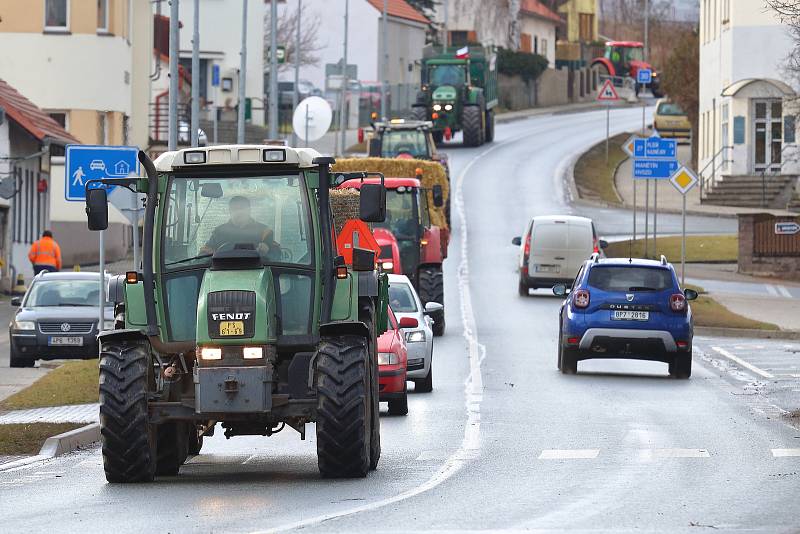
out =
column 624, row 59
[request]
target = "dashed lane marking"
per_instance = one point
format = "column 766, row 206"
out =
column 771, row 290
column 784, row 292
column 655, row 454
column 762, row 373
column 569, row 454
column 785, row 453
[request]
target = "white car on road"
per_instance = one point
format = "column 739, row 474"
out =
column 404, row 301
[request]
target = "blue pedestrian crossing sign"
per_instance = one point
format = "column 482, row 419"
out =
column 89, row 162
column 644, row 76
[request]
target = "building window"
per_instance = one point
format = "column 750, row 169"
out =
column 102, row 128
column 102, row 15
column 56, row 15
column 544, row 48
column 60, row 117
column 586, row 26
column 535, row 44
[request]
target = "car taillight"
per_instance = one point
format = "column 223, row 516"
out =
column 596, row 249
column 528, row 245
column 581, row 299
column 677, row 302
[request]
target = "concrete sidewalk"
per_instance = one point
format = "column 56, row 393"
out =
column 79, row 413
column 669, row 199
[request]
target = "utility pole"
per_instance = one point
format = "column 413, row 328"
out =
column 342, row 110
column 647, row 30
column 242, row 76
column 196, row 75
column 385, row 57
column 172, row 142
column 273, row 70
column 296, row 95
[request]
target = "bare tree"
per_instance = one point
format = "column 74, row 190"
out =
column 788, row 12
column 287, row 37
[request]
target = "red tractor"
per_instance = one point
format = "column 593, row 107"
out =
column 624, row 59
column 410, row 244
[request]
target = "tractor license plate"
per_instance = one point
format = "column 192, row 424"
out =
column 547, row 268
column 231, row 328
column 74, row 341
column 625, row 315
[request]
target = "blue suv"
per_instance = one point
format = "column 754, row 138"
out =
column 626, row 308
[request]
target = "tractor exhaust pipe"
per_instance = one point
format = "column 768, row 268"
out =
column 325, row 163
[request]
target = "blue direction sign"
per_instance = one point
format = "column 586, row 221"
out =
column 215, row 75
column 658, row 169
column 655, row 148
column 88, row 162
column 787, row 228
column 644, row 76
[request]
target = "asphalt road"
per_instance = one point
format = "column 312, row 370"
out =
column 504, row 441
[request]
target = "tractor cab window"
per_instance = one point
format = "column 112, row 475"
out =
column 401, row 213
column 424, row 215
column 447, row 75
column 268, row 214
column 411, row 143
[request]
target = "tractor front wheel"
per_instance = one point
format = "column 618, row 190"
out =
column 419, row 113
column 431, row 289
column 128, row 438
column 472, row 121
column 344, row 405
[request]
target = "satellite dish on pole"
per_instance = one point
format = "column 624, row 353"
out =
column 312, row 118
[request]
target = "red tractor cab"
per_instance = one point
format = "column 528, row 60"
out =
column 421, row 247
column 623, row 59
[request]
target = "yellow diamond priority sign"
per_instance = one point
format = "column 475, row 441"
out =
column 684, row 180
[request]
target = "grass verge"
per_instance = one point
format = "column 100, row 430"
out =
column 72, row 383
column 29, row 438
column 699, row 248
column 708, row 312
column 594, row 176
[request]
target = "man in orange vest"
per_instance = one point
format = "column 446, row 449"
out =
column 45, row 254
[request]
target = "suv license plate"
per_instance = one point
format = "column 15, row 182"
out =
column 74, row 341
column 547, row 268
column 623, row 315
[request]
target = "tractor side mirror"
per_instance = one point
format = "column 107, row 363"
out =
column 516, row 241
column 603, row 244
column 372, row 203
column 560, row 290
column 408, row 322
column 438, row 196
column 211, row 190
column 97, row 209
column 690, row 294
column 374, row 147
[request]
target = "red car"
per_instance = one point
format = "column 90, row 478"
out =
column 393, row 364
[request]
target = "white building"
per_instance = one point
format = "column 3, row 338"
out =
column 746, row 126
column 406, row 28
column 538, row 27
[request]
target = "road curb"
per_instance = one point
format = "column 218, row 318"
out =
column 69, row 441
column 719, row 331
column 511, row 116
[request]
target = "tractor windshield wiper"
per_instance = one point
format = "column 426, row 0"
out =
column 641, row 288
column 187, row 260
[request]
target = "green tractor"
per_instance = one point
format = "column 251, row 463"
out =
column 458, row 93
column 242, row 314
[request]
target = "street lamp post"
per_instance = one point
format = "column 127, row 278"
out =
column 172, row 137
column 384, row 58
column 273, row 70
column 296, row 95
column 342, row 108
column 195, row 121
column 242, row 77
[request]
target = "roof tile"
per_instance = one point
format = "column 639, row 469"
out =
column 538, row 9
column 400, row 9
column 35, row 121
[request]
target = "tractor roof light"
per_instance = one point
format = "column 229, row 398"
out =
column 274, row 155
column 195, row 157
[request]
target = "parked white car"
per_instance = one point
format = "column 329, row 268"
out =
column 404, row 301
column 552, row 250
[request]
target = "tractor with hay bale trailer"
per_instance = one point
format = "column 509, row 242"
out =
column 414, row 234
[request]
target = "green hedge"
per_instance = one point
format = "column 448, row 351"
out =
column 528, row 66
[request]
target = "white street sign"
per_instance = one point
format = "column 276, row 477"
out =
column 607, row 92
column 683, row 179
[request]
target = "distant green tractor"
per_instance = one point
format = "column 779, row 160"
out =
column 458, row 93
column 243, row 314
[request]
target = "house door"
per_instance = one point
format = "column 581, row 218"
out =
column 768, row 135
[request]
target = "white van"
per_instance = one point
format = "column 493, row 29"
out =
column 552, row 250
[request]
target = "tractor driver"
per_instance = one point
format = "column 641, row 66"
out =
column 242, row 229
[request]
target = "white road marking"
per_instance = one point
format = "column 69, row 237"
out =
column 785, row 453
column 743, row 363
column 569, row 454
column 771, row 290
column 473, row 386
column 784, row 292
column 654, row 454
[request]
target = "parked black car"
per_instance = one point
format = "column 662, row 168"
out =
column 57, row 318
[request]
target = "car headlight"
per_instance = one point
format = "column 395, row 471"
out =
column 108, row 325
column 387, row 266
column 24, row 325
column 387, row 358
column 437, row 107
column 417, row 336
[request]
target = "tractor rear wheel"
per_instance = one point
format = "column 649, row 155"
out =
column 489, row 126
column 431, row 289
column 343, row 407
column 472, row 122
column 128, row 438
column 419, row 113
column 367, row 316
